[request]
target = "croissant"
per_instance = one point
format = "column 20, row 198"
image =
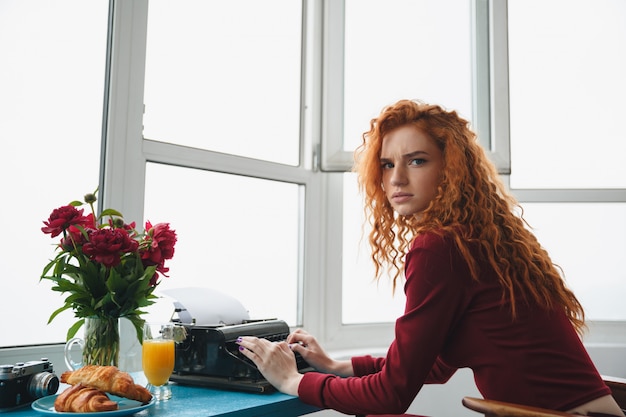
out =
column 81, row 399
column 108, row 379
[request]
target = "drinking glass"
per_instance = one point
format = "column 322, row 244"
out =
column 157, row 358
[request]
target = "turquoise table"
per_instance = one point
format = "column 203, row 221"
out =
column 190, row 401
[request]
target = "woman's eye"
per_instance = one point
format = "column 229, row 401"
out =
column 417, row 161
column 386, row 165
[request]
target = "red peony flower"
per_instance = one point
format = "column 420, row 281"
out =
column 64, row 217
column 74, row 238
column 107, row 245
column 107, row 267
column 158, row 246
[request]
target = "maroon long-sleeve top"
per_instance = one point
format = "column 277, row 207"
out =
column 452, row 321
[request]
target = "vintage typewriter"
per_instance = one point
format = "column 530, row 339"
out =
column 210, row 357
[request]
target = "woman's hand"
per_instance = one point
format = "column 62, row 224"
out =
column 274, row 360
column 306, row 345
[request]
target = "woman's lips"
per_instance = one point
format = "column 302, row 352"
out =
column 401, row 197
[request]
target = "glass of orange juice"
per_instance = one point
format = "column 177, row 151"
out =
column 157, row 358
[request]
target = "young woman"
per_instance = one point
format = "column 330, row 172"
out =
column 481, row 292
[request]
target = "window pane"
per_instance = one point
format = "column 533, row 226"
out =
column 575, row 235
column 592, row 268
column 225, row 76
column 405, row 49
column 567, row 89
column 237, row 235
column 51, row 78
column 364, row 300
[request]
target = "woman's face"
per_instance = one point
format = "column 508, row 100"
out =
column 412, row 166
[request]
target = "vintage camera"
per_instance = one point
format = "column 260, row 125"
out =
column 25, row 382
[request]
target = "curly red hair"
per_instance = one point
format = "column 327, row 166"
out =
column 472, row 206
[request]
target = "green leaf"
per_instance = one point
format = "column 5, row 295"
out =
column 57, row 311
column 47, row 268
column 110, row 212
column 71, row 332
column 138, row 323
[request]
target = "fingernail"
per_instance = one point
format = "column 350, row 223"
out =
column 241, row 348
column 239, row 339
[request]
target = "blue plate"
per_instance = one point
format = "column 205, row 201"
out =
column 127, row 407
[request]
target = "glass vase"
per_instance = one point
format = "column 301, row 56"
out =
column 101, row 341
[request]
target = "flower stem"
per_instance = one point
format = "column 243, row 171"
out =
column 102, row 341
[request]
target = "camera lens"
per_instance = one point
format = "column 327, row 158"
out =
column 43, row 384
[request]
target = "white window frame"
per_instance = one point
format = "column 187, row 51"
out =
column 126, row 151
column 492, row 111
column 324, row 161
column 607, row 336
column 498, row 24
column 125, row 154
column 489, row 84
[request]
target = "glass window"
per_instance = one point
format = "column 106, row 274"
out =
column 225, row 76
column 566, row 102
column 236, row 234
column 404, row 49
column 567, row 90
column 364, row 299
column 52, row 84
column 589, row 248
column 394, row 50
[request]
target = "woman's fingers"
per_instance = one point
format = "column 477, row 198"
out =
column 263, row 352
column 298, row 336
column 274, row 360
column 250, row 346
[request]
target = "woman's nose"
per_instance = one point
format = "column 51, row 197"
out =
column 398, row 177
